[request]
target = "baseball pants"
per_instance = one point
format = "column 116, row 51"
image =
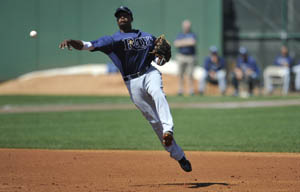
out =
column 147, row 94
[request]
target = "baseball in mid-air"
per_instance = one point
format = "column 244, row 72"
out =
column 33, row 33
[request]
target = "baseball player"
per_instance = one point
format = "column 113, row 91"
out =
column 246, row 70
column 132, row 51
column 284, row 62
column 214, row 66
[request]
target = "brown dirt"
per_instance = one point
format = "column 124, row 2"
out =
column 146, row 171
column 86, row 85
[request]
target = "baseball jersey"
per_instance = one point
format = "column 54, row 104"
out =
column 189, row 50
column 280, row 60
column 211, row 66
column 128, row 51
column 249, row 63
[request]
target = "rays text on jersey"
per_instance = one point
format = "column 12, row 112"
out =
column 137, row 43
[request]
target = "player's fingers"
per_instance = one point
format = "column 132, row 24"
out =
column 61, row 46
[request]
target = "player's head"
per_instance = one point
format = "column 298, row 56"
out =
column 186, row 26
column 244, row 52
column 214, row 54
column 124, row 18
column 213, row 50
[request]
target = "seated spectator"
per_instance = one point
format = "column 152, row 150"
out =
column 283, row 62
column 214, row 66
column 246, row 70
column 296, row 70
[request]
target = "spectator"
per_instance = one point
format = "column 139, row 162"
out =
column 284, row 63
column 186, row 44
column 214, row 66
column 246, row 70
column 296, row 70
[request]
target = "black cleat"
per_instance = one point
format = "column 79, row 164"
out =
column 185, row 164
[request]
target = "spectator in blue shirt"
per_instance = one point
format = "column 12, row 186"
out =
column 246, row 70
column 214, row 66
column 186, row 45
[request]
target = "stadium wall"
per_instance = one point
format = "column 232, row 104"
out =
column 55, row 20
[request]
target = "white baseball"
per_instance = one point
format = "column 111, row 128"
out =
column 33, row 33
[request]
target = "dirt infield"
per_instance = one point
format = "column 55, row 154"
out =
column 145, row 171
column 86, row 85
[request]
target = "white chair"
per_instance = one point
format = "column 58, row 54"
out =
column 278, row 76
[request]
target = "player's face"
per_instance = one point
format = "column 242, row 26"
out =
column 124, row 19
column 186, row 26
column 214, row 58
column 284, row 51
column 245, row 57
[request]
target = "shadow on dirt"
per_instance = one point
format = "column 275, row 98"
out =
column 188, row 185
column 196, row 185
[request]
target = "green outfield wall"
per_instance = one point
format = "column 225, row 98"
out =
column 55, row 20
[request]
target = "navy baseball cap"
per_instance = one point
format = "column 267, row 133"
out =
column 243, row 50
column 123, row 9
column 213, row 49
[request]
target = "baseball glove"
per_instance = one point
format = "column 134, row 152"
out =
column 162, row 50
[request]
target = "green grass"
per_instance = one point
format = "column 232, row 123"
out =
column 273, row 129
column 17, row 100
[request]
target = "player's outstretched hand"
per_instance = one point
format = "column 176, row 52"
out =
column 65, row 44
column 71, row 43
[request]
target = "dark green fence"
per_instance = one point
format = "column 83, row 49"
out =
column 56, row 20
column 262, row 26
